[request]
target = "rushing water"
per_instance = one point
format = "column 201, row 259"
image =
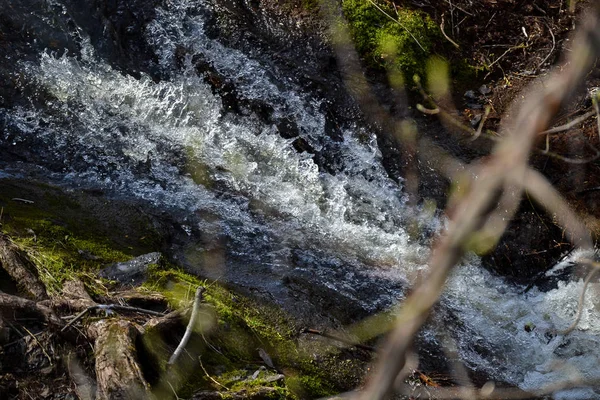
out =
column 173, row 144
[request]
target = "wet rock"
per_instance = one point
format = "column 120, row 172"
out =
column 485, row 90
column 476, row 120
column 471, row 95
column 133, row 272
column 530, row 245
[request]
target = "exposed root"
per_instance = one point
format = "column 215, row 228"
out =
column 17, row 264
column 14, row 307
column 259, row 393
column 118, row 373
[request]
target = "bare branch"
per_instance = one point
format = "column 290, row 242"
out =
column 190, row 326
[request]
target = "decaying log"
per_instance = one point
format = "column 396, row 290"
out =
column 13, row 307
column 18, row 265
column 118, row 373
column 75, row 298
column 255, row 394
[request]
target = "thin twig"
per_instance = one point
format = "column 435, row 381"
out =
column 480, row 128
column 428, row 111
column 461, row 9
column 446, row 36
column 109, row 307
column 190, row 327
column 551, row 50
column 568, row 125
column 210, row 377
column 22, row 200
column 35, row 339
column 520, row 46
column 588, row 278
column 595, row 95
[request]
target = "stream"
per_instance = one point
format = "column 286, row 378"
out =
column 326, row 233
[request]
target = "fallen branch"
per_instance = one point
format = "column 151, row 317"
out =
column 13, row 307
column 190, row 326
column 108, row 308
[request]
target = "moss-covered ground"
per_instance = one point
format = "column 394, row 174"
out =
column 73, row 235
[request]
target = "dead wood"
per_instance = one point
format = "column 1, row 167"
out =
column 14, row 307
column 109, row 308
column 18, row 265
column 190, row 327
column 118, row 373
column 148, row 301
column 256, row 394
column 167, row 322
column 75, row 289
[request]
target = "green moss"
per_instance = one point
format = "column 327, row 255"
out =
column 244, row 325
column 69, row 236
column 402, row 40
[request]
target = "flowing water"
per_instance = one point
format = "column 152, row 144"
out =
column 174, row 144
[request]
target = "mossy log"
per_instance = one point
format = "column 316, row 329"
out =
column 17, row 264
column 118, row 374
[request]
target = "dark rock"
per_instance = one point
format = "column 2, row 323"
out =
column 485, row 90
column 470, row 94
column 475, row 121
column 132, row 272
column 528, row 247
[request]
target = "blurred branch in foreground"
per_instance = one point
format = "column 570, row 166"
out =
column 480, row 216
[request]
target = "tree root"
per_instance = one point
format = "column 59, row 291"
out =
column 14, row 307
column 18, row 265
column 118, row 373
column 259, row 393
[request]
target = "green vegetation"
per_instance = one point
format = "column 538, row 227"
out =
column 400, row 39
column 403, row 41
column 58, row 234
column 69, row 236
column 244, row 325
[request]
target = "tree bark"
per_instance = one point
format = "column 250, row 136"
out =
column 18, row 265
column 13, row 307
column 118, row 374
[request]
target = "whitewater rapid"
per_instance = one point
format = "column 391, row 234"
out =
column 173, row 144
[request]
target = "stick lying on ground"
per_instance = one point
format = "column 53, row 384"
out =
column 190, row 326
column 110, row 307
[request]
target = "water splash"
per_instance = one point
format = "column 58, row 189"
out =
column 172, row 143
